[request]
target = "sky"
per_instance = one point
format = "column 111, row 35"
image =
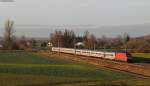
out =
column 35, row 17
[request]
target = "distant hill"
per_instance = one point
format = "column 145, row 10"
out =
column 132, row 30
column 144, row 37
column 113, row 31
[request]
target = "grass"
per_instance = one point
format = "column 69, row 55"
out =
column 25, row 69
column 27, row 58
column 32, row 80
column 144, row 55
column 62, row 70
column 141, row 57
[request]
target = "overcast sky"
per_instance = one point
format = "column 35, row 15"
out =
column 73, row 12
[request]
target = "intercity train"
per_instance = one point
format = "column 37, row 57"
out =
column 118, row 56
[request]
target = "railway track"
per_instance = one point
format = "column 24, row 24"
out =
column 140, row 70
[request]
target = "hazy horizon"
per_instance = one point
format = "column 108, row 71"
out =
column 44, row 31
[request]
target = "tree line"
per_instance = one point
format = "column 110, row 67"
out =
column 123, row 42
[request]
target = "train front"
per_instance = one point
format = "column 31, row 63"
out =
column 123, row 56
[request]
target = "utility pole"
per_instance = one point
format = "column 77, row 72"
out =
column 94, row 46
column 58, row 46
column 74, row 42
column 104, row 50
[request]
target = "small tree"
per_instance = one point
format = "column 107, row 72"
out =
column 126, row 39
column 44, row 44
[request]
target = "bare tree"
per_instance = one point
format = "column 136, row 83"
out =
column 56, row 38
column 85, row 39
column 8, row 35
column 89, row 40
column 93, row 42
column 68, row 38
column 102, row 42
column 118, row 42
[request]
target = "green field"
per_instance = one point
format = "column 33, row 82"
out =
column 141, row 57
column 24, row 69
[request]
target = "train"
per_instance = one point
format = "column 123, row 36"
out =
column 117, row 56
